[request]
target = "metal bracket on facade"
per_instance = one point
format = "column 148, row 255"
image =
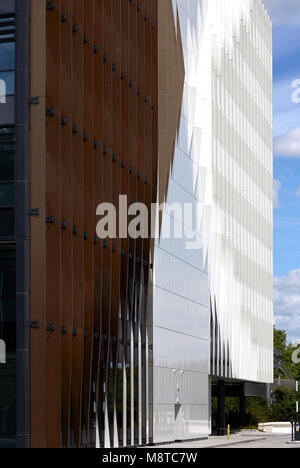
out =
column 34, row 101
column 50, row 5
column 34, row 212
column 50, row 219
column 34, row 324
column 50, row 112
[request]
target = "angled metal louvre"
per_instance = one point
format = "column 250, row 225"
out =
column 7, row 28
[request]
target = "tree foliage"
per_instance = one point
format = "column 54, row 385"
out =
column 283, row 408
column 284, row 399
column 289, row 352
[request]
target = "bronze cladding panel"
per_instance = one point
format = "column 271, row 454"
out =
column 141, row 104
column 107, row 196
column 124, row 191
column 38, row 231
column 67, row 210
column 132, row 198
column 101, row 141
column 78, row 222
column 53, row 196
column 98, row 195
column 116, row 174
column 89, row 220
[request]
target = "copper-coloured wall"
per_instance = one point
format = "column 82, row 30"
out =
column 37, row 225
column 93, row 139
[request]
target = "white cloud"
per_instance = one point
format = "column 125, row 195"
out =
column 297, row 193
column 276, row 189
column 288, row 145
column 283, row 11
column 286, row 112
column 287, row 303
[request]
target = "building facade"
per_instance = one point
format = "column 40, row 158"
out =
column 241, row 239
column 14, row 222
column 115, row 342
column 222, row 166
column 181, row 315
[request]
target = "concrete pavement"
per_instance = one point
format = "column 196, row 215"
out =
column 242, row 440
column 272, row 441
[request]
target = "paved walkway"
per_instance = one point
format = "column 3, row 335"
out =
column 243, row 440
column 270, row 442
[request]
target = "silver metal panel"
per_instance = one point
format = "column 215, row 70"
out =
column 178, row 351
column 196, row 421
column 178, row 246
column 175, row 275
column 163, row 423
column 181, row 316
column 241, row 232
column 222, row 167
column 184, row 315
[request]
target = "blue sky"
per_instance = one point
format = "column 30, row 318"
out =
column 285, row 15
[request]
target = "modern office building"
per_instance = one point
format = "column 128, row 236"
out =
column 222, row 165
column 122, row 341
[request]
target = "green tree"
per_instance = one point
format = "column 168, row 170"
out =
column 284, row 406
column 258, row 411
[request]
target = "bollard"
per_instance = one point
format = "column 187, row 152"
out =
column 228, row 432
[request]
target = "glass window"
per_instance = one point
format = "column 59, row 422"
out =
column 7, row 159
column 7, row 6
column 7, row 176
column 7, row 55
column 7, row 111
column 7, row 222
column 7, row 83
column 7, row 28
column 8, row 336
column 7, row 227
column 7, row 65
column 7, row 139
column 7, row 163
column 7, row 194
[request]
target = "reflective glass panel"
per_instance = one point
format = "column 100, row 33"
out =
column 7, row 111
column 7, row 163
column 7, row 83
column 7, row 55
column 7, row 139
column 7, row 6
column 7, row 194
column 7, row 222
column 8, row 345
